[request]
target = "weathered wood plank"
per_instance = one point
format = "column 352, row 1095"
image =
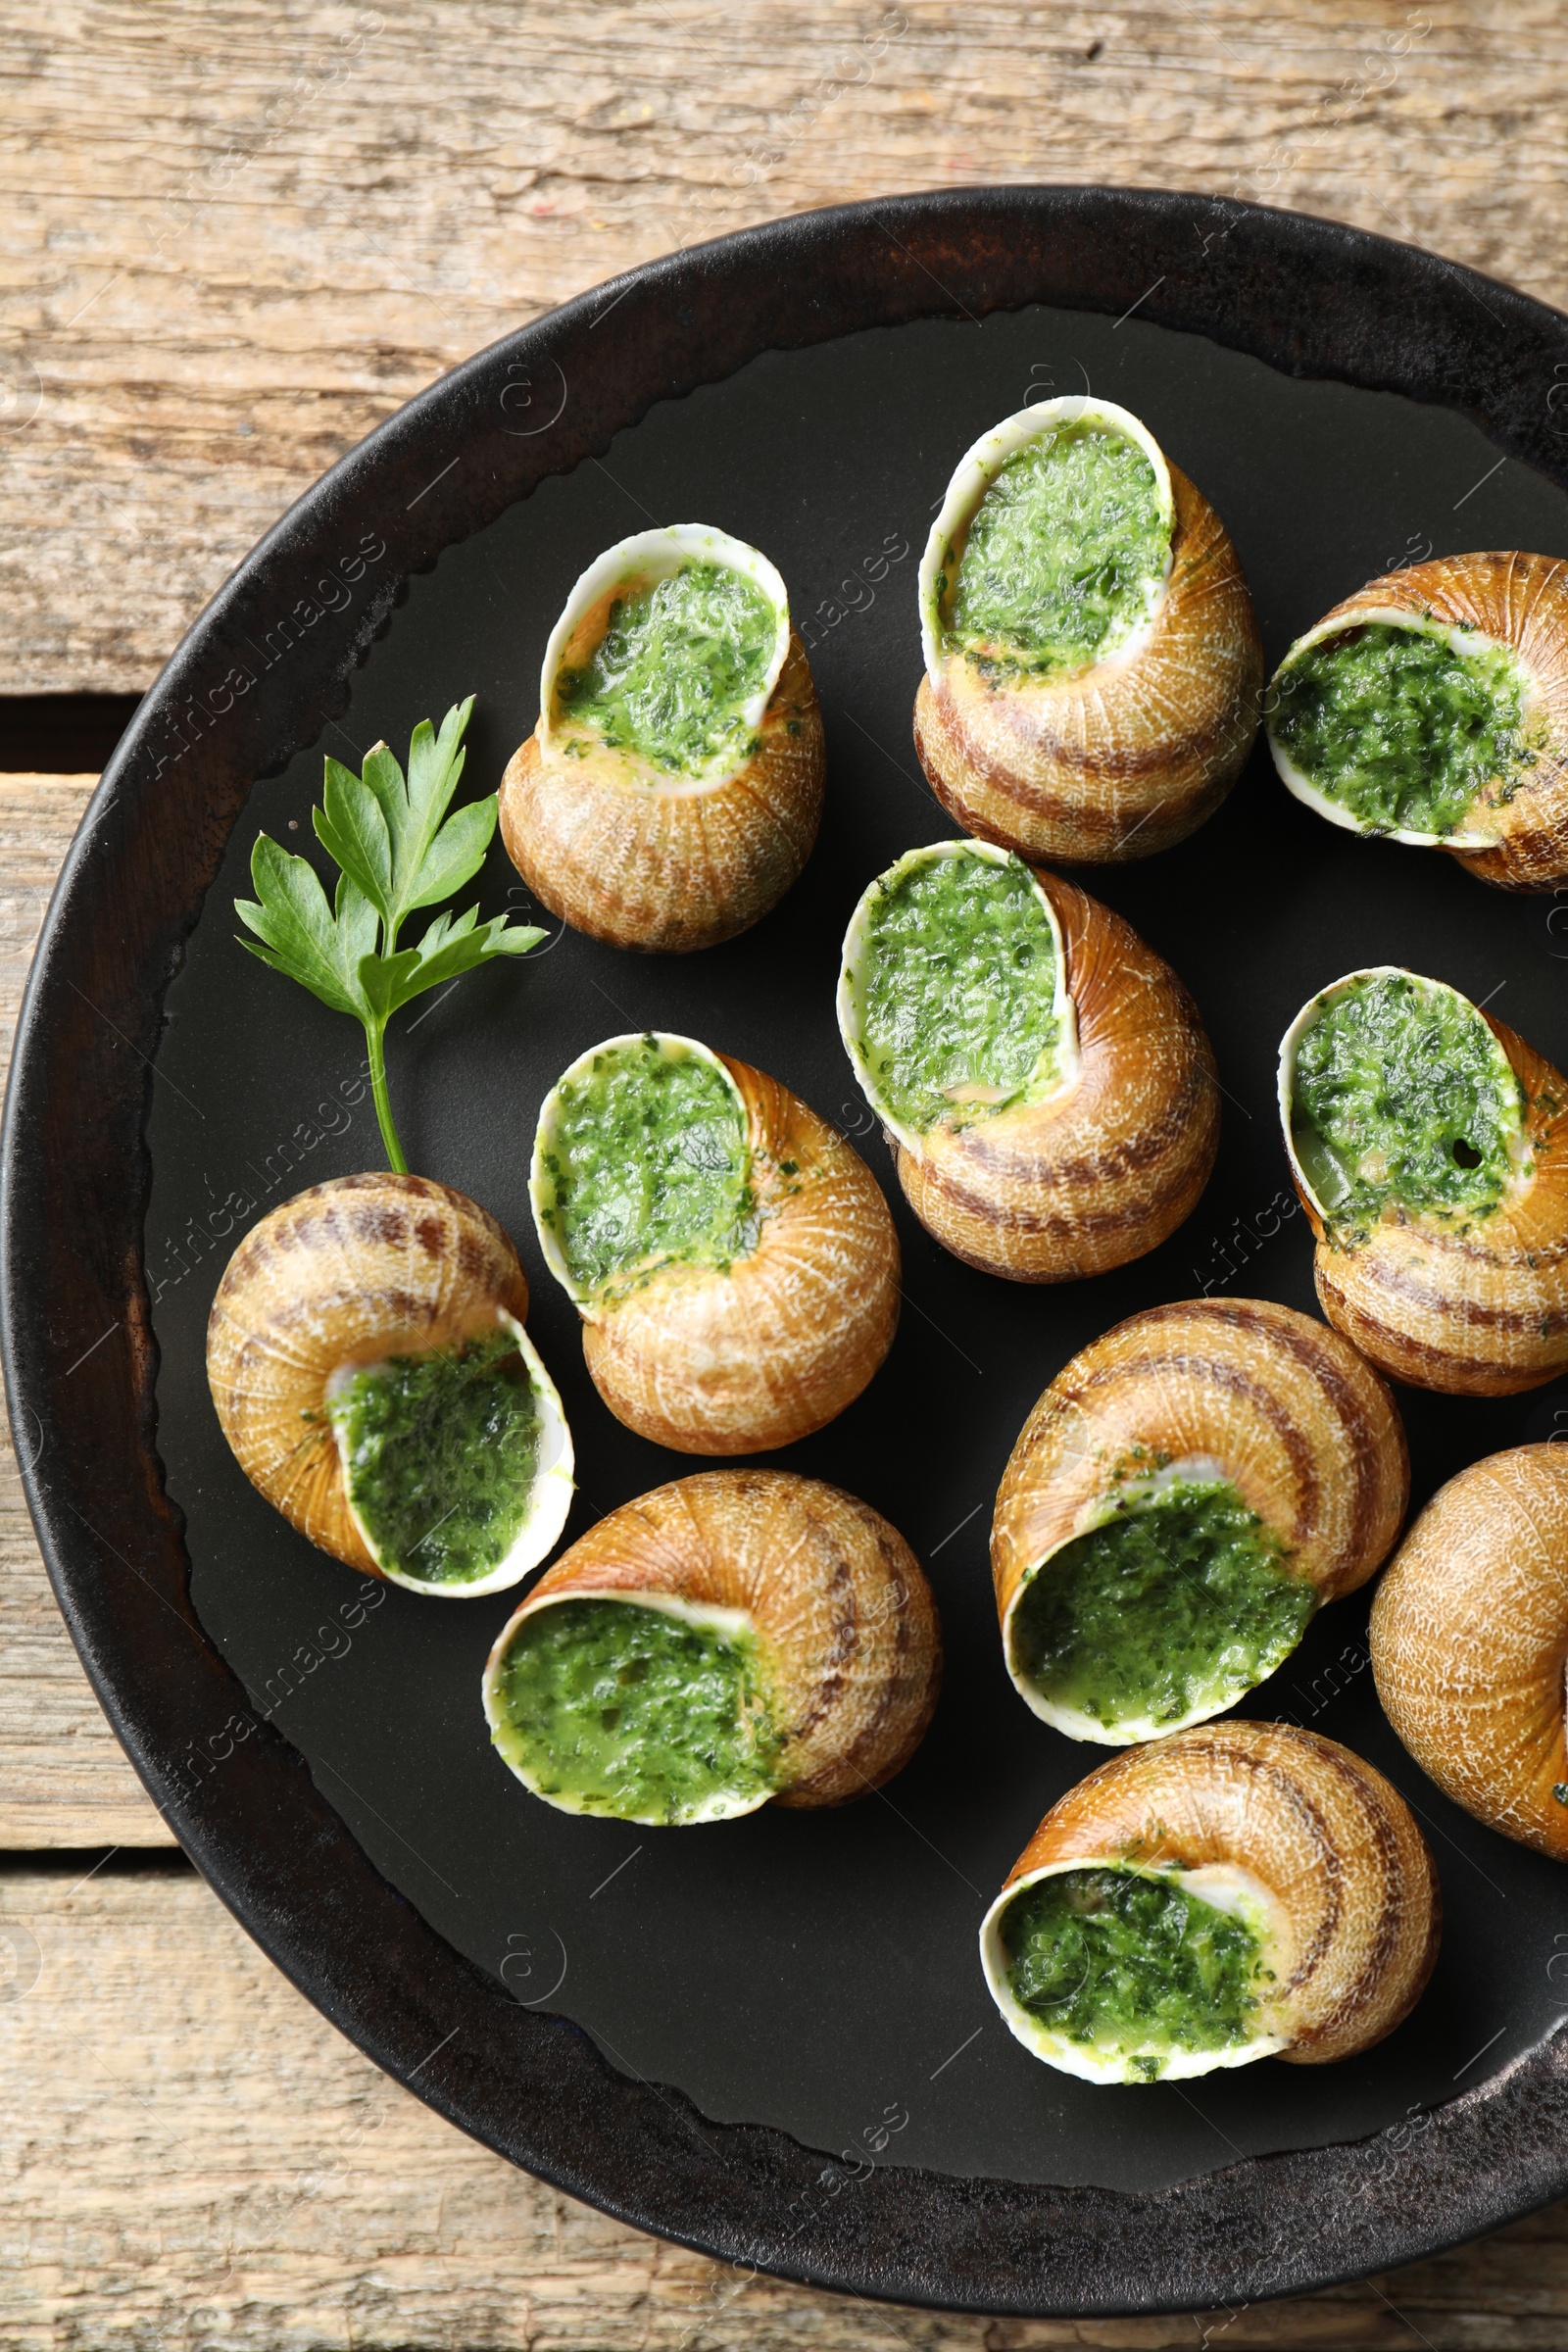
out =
column 241, row 234
column 195, row 2159
column 64, row 1779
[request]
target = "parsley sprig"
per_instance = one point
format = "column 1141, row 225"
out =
column 397, row 849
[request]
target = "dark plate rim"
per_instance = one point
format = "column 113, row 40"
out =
column 256, row 680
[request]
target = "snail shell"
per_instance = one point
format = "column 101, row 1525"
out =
column 1131, row 755
column 842, row 1615
column 1515, row 832
column 1471, row 1310
column 1279, row 1823
column 743, row 1357
column 1234, row 1389
column 629, row 852
column 1107, row 1166
column 347, row 1275
column 1470, row 1640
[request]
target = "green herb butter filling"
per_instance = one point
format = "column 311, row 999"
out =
column 1132, row 1965
column 1064, row 557
column 439, row 1453
column 646, row 1162
column 611, row 1707
column 1402, row 731
column 957, row 992
column 1182, row 1601
column 675, row 668
column 1403, row 1100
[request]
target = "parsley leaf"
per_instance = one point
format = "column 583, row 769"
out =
column 397, row 850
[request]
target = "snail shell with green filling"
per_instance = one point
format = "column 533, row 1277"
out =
column 1239, row 1890
column 732, row 1258
column 1429, row 1144
column 1044, row 1078
column 730, row 1639
column 1092, row 666
column 367, row 1360
column 1432, row 706
column 1185, row 1495
column 671, row 790
column 1470, row 1642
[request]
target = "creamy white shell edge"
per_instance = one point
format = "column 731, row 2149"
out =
column 658, row 555
column 978, row 468
column 1310, row 795
column 541, row 1185
column 729, row 1624
column 1518, row 1142
column 549, row 1498
column 1225, row 1885
column 850, row 1006
column 1129, row 1731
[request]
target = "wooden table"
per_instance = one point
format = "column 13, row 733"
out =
column 240, row 236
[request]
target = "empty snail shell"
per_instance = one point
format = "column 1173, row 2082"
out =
column 1236, row 1892
column 1429, row 1144
column 367, row 1360
column 1432, row 706
column 671, row 791
column 1470, row 1642
column 732, row 1258
column 1185, row 1495
column 1092, row 666
column 730, row 1639
column 1044, row 1078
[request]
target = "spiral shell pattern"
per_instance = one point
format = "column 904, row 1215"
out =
column 1470, row 1642
column 1333, row 1850
column 841, row 1609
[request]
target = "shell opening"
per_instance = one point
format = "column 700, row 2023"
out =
column 457, row 1461
column 1052, row 548
column 1399, row 1104
column 641, row 1161
column 953, row 997
column 664, row 657
column 1394, row 723
column 635, row 1705
column 1168, row 1606
column 1121, row 1971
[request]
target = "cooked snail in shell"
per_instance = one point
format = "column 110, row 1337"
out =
column 1429, row 1144
column 1432, row 706
column 1243, row 1891
column 670, row 792
column 1470, row 1642
column 370, row 1367
column 1043, row 1076
column 1092, row 666
column 1185, row 1495
column 734, row 1639
column 732, row 1258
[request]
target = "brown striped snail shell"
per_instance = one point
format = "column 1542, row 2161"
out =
column 1477, row 1309
column 623, row 850
column 1238, row 1390
column 1122, row 758
column 850, row 1642
column 348, row 1275
column 1104, row 1168
column 743, row 1357
column 1284, row 1826
column 1514, row 832
column 1470, row 1642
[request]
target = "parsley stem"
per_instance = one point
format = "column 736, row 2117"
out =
column 374, row 1033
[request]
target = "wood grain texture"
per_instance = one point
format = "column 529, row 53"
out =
column 195, row 2159
column 241, row 234
column 64, row 1779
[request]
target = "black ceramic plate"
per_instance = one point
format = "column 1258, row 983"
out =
column 769, row 2040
